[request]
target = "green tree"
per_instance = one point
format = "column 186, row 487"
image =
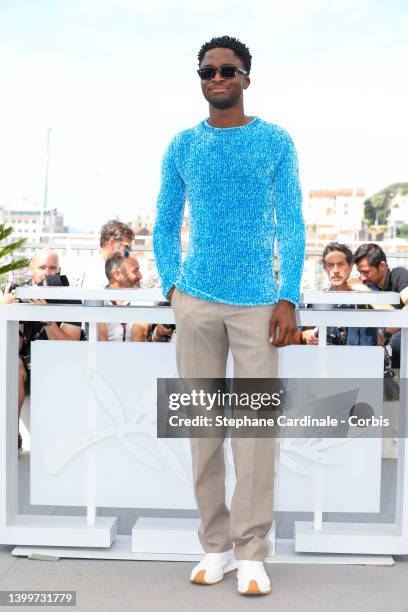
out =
column 402, row 231
column 7, row 249
column 377, row 207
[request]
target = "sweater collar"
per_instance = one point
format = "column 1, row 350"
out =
column 237, row 128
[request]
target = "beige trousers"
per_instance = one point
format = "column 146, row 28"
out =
column 205, row 332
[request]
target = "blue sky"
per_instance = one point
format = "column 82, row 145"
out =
column 115, row 80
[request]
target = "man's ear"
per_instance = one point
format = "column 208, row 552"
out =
column 247, row 82
column 115, row 274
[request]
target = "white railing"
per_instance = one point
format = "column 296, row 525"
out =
column 144, row 307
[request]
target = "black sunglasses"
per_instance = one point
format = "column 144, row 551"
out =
column 123, row 253
column 227, row 72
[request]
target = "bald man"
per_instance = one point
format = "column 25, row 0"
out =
column 45, row 263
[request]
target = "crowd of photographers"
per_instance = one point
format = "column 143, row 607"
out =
column 374, row 274
column 117, row 267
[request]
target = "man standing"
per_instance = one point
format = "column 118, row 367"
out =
column 240, row 175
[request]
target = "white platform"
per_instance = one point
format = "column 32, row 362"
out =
column 52, row 530
column 166, row 535
column 122, row 550
column 360, row 538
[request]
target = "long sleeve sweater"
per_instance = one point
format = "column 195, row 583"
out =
column 242, row 187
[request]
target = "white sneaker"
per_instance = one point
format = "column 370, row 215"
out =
column 213, row 567
column 252, row 578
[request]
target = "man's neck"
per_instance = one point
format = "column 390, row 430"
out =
column 114, row 285
column 228, row 117
column 343, row 287
column 381, row 283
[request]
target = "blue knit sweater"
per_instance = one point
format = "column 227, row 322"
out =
column 242, row 187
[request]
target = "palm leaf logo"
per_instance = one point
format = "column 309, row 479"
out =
column 61, row 453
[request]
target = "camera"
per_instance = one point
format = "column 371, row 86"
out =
column 55, row 280
column 335, row 335
column 13, row 287
column 170, row 327
column 34, row 330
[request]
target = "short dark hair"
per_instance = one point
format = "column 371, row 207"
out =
column 372, row 252
column 337, row 246
column 228, row 42
column 115, row 230
column 113, row 263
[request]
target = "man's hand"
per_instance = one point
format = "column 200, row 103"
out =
column 170, row 293
column 309, row 336
column 160, row 331
column 355, row 284
column 283, row 317
column 8, row 297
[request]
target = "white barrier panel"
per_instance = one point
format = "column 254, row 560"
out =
column 93, row 424
column 96, row 444
column 350, row 468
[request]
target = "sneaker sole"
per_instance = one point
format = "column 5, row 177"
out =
column 253, row 589
column 199, row 578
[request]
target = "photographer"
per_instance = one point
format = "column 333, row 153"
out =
column 123, row 272
column 373, row 269
column 44, row 264
column 337, row 260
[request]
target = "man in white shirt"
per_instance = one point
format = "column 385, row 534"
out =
column 122, row 272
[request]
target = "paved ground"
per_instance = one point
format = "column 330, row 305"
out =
column 164, row 587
